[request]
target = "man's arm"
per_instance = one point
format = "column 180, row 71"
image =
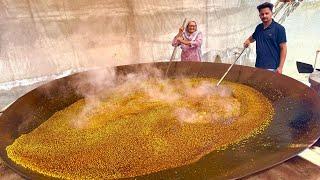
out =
column 282, row 40
column 283, row 54
column 248, row 41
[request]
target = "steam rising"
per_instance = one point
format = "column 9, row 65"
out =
column 98, row 85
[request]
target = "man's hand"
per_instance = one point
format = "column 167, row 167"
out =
column 279, row 70
column 246, row 43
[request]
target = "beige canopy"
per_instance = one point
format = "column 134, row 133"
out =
column 45, row 37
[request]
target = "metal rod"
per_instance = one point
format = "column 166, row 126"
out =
column 315, row 61
column 230, row 68
column 174, row 51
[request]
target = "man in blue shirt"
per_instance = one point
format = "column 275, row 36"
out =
column 270, row 40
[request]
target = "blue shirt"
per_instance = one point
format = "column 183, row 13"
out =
column 268, row 42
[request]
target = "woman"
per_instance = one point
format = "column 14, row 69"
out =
column 190, row 42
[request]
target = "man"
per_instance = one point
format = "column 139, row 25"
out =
column 270, row 40
column 190, row 42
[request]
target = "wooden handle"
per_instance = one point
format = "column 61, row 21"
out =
column 173, row 55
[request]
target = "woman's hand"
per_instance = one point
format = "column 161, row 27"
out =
column 180, row 31
column 180, row 38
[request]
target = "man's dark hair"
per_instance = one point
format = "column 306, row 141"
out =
column 265, row 5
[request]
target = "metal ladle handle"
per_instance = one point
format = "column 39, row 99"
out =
column 315, row 61
column 230, row 67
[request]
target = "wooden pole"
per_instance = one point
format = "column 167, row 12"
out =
column 174, row 51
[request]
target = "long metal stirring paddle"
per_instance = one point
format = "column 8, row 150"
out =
column 230, row 67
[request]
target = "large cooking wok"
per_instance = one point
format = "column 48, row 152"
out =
column 295, row 125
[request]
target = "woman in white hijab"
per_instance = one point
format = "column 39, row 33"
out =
column 189, row 41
